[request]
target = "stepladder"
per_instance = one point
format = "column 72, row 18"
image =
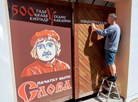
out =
column 111, row 88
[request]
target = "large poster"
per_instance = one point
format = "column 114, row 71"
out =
column 41, row 46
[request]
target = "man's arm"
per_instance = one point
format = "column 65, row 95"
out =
column 104, row 32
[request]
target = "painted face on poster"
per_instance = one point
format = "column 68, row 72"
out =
column 46, row 50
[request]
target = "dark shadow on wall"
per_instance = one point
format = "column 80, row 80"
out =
column 94, row 49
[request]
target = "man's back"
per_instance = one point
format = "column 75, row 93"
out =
column 112, row 40
column 112, row 34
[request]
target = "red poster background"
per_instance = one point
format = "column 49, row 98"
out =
column 21, row 33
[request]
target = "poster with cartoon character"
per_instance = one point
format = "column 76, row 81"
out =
column 46, row 47
column 41, row 46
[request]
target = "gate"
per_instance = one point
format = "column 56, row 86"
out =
column 90, row 67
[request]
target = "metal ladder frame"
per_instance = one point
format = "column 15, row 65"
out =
column 109, row 88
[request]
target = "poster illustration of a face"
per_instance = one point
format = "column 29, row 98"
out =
column 41, row 50
column 46, row 47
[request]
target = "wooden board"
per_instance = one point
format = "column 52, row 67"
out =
column 90, row 67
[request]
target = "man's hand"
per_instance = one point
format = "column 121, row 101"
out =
column 94, row 27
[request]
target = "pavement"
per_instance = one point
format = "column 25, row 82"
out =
column 113, row 98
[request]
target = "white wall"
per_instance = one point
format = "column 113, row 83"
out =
column 6, row 86
column 132, row 91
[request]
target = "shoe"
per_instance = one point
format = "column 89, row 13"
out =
column 109, row 77
column 113, row 79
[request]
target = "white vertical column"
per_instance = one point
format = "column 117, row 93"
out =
column 6, row 85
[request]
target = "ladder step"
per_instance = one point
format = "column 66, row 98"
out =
column 105, row 87
column 109, row 81
column 113, row 86
column 105, row 78
column 103, row 94
column 114, row 92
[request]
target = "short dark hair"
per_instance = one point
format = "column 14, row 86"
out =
column 113, row 16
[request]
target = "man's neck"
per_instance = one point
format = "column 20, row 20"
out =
column 113, row 23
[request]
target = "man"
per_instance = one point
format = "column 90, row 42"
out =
column 112, row 34
column 46, row 48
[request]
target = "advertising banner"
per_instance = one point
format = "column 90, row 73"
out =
column 41, row 46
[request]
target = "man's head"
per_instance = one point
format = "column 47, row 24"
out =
column 45, row 45
column 111, row 18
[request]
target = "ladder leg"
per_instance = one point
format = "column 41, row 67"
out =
column 100, row 87
column 117, row 91
column 110, row 89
